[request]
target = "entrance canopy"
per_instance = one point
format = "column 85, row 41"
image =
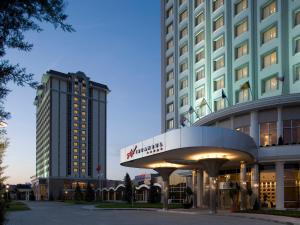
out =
column 185, row 148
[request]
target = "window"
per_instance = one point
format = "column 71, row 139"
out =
column 83, row 157
column 219, row 104
column 75, row 99
column 219, row 42
column 199, row 55
column 270, row 84
column 183, row 49
column 170, row 44
column 297, row 45
column 169, row 28
column 75, row 131
column 291, row 131
column 181, row 2
column 183, row 83
column 75, row 170
column 241, row 28
column 241, row 50
column 268, row 133
column 83, row 132
column 82, row 170
column 217, row 4
column 75, row 157
column 170, row 107
column 75, row 124
column 83, row 101
column 200, row 92
column 83, row 164
column 75, row 144
column 183, row 67
column 83, row 113
column 183, row 15
column 297, row 73
column 269, row 59
column 199, row 37
column 183, row 32
column 75, row 105
column 75, row 163
column 219, row 83
column 75, row 137
column 243, row 95
column 297, row 18
column 240, row 6
column 268, row 10
column 218, row 23
column 170, row 91
column 219, row 63
column 199, row 18
column 170, row 124
column 75, row 150
column 201, row 110
column 170, row 60
column 75, row 111
column 200, row 74
column 245, row 129
column 169, row 12
column 170, row 75
column 184, row 101
column 198, row 2
column 83, row 125
column 241, row 73
column 269, row 34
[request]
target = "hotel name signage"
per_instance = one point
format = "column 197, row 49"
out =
column 147, row 150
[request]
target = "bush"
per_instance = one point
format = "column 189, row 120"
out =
column 2, row 211
column 89, row 194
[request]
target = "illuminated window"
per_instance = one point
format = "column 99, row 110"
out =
column 183, row 67
column 219, row 83
column 245, row 129
column 75, row 124
column 243, row 95
column 83, row 113
column 83, row 100
column 184, row 100
column 75, row 163
column 169, row 12
column 83, row 132
column 75, row 137
column 170, row 107
column 217, row 4
column 170, row 60
column 219, row 22
column 183, row 15
column 199, row 55
column 219, row 42
column 200, row 74
column 83, row 145
column 219, row 104
column 199, row 18
column 83, row 138
column 75, row 150
column 75, row 99
column 200, row 92
column 198, row 2
column 83, row 157
column 291, row 131
column 241, row 50
column 75, row 156
column 83, row 107
column 83, row 151
column 241, row 28
column 219, row 63
column 83, row 125
column 240, row 6
column 83, row 119
column 75, row 118
column 75, row 144
column 170, row 44
column 269, row 59
column 183, row 32
column 75, row 111
column 170, row 75
column 183, row 49
column 170, row 124
column 241, row 72
column 199, row 37
column 183, row 83
column 268, row 133
column 270, row 84
column 75, row 105
column 83, row 93
column 268, row 10
column 269, row 34
column 75, row 131
column 83, row 170
column 170, row 91
column 75, row 170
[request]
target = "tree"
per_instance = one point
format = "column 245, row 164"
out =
column 89, row 193
column 77, row 194
column 128, row 188
column 16, row 18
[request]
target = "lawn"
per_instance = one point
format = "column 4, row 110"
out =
column 136, row 205
column 17, row 206
column 290, row 213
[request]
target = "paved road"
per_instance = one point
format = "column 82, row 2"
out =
column 50, row 213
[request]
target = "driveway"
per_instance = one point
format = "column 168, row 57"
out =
column 50, row 213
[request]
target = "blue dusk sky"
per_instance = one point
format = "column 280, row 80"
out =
column 116, row 43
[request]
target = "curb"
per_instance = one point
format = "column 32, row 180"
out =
column 124, row 209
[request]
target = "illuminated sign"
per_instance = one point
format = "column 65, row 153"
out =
column 150, row 149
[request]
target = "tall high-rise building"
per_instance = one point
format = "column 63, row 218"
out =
column 217, row 54
column 70, row 133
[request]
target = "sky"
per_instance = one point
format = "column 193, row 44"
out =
column 116, row 43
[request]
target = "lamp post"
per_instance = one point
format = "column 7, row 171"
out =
column 98, row 170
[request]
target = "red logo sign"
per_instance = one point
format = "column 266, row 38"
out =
column 131, row 153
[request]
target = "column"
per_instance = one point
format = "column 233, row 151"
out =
column 212, row 195
column 194, row 186
column 255, row 184
column 243, row 184
column 254, row 129
column 200, row 188
column 279, row 123
column 279, row 169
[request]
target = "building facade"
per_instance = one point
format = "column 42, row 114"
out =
column 70, row 132
column 230, row 84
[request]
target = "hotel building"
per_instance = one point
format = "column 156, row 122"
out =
column 230, row 84
column 70, row 133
